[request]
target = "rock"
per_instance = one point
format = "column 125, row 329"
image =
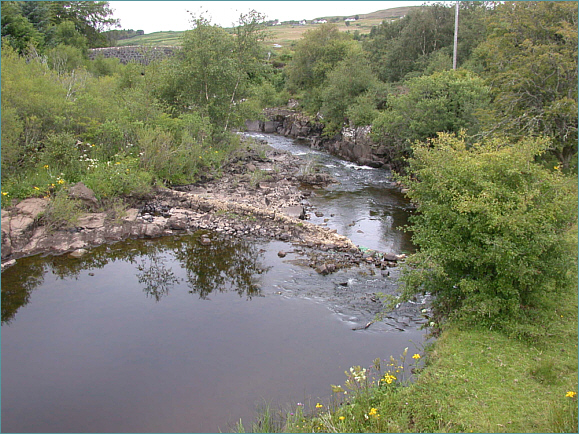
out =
column 281, row 254
column 322, row 269
column 297, row 212
column 7, row 264
column 91, row 221
column 285, row 237
column 319, row 214
column 205, row 240
column 78, row 253
column 178, row 222
column 32, row 207
column 82, row 192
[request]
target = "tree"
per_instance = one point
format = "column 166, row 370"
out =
column 212, row 72
column 350, row 78
column 90, row 18
column 402, row 47
column 530, row 62
column 316, row 54
column 490, row 227
column 446, row 101
column 17, row 31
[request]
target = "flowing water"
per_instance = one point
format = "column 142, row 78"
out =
column 169, row 335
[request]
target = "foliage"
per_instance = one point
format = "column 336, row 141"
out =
column 118, row 178
column 401, row 47
column 45, row 24
column 212, row 72
column 349, row 79
column 530, row 61
column 62, row 212
column 490, row 228
column 446, row 101
column 316, row 54
column 33, row 105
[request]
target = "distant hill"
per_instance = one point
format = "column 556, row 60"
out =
column 285, row 34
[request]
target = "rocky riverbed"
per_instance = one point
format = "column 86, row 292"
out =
column 261, row 193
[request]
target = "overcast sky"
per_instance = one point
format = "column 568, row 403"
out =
column 156, row 16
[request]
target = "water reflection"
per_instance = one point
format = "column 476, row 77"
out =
column 225, row 265
column 155, row 276
column 17, row 288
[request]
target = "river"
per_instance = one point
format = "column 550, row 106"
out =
column 168, row 335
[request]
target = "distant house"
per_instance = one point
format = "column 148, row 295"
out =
column 350, row 19
column 303, row 22
column 322, row 21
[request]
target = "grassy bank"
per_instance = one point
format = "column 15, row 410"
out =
column 474, row 380
column 470, row 380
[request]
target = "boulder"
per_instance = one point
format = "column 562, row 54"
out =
column 82, row 192
column 296, row 212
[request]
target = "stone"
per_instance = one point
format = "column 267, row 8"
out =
column 91, row 221
column 281, row 254
column 178, row 222
column 82, row 192
column 78, row 253
column 296, row 212
column 32, row 206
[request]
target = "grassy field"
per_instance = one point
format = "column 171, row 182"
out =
column 282, row 35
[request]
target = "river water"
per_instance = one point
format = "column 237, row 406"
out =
column 169, row 335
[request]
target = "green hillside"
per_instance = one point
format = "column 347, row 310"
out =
column 283, row 34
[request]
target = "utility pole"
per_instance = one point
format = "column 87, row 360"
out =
column 455, row 36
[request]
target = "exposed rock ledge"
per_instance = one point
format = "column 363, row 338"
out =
column 257, row 196
column 352, row 143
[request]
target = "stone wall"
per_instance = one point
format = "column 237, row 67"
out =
column 138, row 54
column 353, row 144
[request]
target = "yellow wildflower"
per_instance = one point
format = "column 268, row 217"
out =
column 318, row 405
column 36, row 188
column 389, row 378
column 416, row 356
column 61, row 181
column 4, row 193
column 571, row 394
column 342, row 417
column 46, row 166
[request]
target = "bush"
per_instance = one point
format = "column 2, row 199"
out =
column 120, row 178
column 490, row 228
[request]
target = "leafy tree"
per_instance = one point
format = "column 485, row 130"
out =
column 212, row 73
column 17, row 31
column 401, row 47
column 446, row 101
column 50, row 23
column 316, row 54
column 350, row 78
column 490, row 227
column 530, row 62
column 90, row 18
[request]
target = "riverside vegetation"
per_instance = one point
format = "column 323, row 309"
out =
column 488, row 153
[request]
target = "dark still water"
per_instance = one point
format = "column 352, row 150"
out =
column 168, row 335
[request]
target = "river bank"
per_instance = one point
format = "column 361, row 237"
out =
column 261, row 193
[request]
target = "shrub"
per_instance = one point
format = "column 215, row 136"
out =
column 490, row 227
column 119, row 178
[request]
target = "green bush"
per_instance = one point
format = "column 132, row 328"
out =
column 490, row 228
column 119, row 178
